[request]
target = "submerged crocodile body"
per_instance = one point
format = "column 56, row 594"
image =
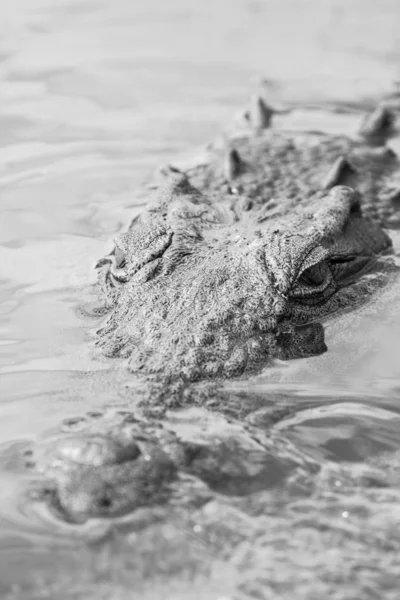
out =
column 122, row 462
column 233, row 264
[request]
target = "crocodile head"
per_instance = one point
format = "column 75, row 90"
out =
column 201, row 286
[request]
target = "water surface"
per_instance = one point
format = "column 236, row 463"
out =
column 94, row 97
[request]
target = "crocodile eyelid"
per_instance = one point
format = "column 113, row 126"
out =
column 316, row 255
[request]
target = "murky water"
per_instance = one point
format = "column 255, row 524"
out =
column 94, row 96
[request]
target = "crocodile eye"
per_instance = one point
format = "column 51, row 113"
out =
column 314, row 275
column 314, row 284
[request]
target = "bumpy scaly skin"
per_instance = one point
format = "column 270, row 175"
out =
column 217, row 274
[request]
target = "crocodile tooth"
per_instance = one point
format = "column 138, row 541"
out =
column 338, row 173
column 377, row 124
column 260, row 113
column 233, row 164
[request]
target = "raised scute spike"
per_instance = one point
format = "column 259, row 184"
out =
column 233, row 164
column 337, row 174
column 176, row 183
column 378, row 125
column 166, row 170
column 260, row 113
column 334, row 212
column 343, row 195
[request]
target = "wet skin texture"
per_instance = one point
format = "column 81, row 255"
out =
column 236, row 259
column 232, row 264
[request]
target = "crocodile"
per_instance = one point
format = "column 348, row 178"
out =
column 237, row 259
column 235, row 262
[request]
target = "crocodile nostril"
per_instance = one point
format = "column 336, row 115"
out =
column 94, row 414
column 105, row 502
column 130, row 452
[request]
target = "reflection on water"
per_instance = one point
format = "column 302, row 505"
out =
column 94, row 97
